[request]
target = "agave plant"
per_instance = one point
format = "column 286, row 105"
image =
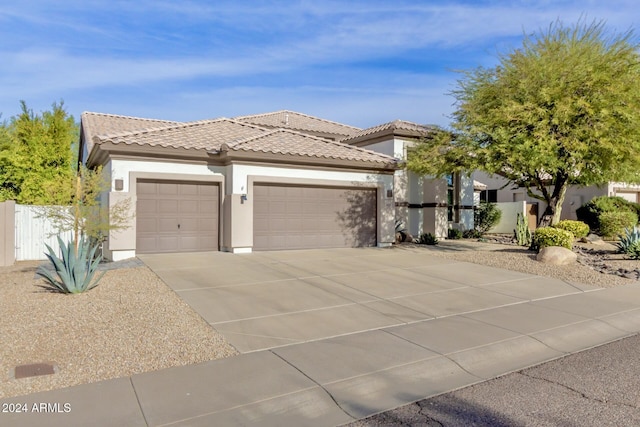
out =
column 630, row 243
column 75, row 269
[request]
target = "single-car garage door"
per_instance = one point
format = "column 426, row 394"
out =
column 302, row 217
column 174, row 216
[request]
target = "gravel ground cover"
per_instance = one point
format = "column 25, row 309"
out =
column 517, row 258
column 130, row 323
column 133, row 322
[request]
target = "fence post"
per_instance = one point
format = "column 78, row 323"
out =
column 7, row 233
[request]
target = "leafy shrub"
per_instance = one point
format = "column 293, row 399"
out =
column 471, row 234
column 578, row 228
column 591, row 212
column 486, row 216
column 427, row 239
column 549, row 236
column 614, row 223
column 630, row 243
column 74, row 271
column 454, row 234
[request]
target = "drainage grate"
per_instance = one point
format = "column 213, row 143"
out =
column 34, row 370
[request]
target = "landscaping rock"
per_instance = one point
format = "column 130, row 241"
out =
column 556, row 255
column 593, row 239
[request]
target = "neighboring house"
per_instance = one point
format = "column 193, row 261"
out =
column 498, row 189
column 281, row 180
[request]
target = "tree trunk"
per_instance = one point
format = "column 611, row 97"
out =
column 551, row 215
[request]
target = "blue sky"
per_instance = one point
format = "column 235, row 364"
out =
column 360, row 62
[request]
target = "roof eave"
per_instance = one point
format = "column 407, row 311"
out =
column 385, row 135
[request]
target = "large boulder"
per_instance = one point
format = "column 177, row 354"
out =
column 556, row 255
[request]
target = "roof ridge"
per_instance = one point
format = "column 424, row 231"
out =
column 236, row 145
column 300, row 114
column 174, row 125
column 120, row 116
column 392, row 125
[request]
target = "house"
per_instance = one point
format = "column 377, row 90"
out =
column 498, row 189
column 281, row 180
column 426, row 205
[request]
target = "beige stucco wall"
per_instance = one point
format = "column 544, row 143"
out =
column 236, row 202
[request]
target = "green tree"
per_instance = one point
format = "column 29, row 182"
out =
column 36, row 153
column 562, row 110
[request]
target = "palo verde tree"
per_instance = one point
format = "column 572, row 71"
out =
column 564, row 109
column 79, row 207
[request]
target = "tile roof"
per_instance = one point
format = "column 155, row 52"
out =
column 94, row 124
column 202, row 135
column 396, row 127
column 284, row 141
column 220, row 134
column 285, row 119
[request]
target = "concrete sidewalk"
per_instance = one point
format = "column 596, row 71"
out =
column 334, row 380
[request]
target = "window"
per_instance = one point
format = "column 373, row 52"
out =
column 490, row 196
column 453, row 191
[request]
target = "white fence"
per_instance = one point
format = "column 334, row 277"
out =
column 510, row 210
column 33, row 231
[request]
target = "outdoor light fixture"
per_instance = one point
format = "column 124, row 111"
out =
column 119, row 184
column 243, row 198
column 389, row 194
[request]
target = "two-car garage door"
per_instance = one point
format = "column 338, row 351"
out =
column 174, row 216
column 304, row 217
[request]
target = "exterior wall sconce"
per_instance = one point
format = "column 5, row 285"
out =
column 243, row 198
column 119, row 184
column 389, row 194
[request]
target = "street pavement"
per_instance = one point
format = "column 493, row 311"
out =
column 596, row 387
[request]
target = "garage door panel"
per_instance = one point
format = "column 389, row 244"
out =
column 205, row 206
column 162, row 205
column 313, row 217
column 146, row 225
column 146, row 188
column 189, row 190
column 167, row 189
column 167, row 206
column 188, row 206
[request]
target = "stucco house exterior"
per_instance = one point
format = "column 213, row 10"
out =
column 425, row 204
column 281, row 180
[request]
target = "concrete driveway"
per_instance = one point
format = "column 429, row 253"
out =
column 272, row 299
column 345, row 334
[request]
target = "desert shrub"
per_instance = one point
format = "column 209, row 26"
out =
column 471, row 234
column 590, row 213
column 427, row 239
column 614, row 223
column 486, row 216
column 549, row 236
column 629, row 243
column 578, row 228
column 454, row 234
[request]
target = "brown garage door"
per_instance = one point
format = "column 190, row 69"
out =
column 176, row 217
column 297, row 217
